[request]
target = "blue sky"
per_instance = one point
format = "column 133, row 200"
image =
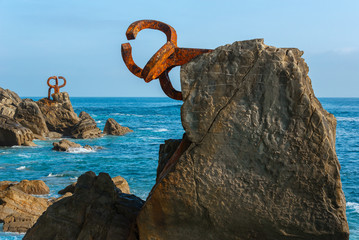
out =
column 81, row 40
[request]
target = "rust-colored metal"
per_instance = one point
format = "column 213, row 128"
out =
column 166, row 58
column 56, row 87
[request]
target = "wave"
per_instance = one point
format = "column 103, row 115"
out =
column 3, row 153
column 99, row 121
column 348, row 119
column 24, row 155
column 80, row 150
column 55, row 175
column 161, row 130
column 21, row 168
column 354, row 206
column 127, row 114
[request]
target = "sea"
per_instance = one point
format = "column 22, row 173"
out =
column 134, row 156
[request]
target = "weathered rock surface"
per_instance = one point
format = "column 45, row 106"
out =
column 12, row 133
column 29, row 115
column 8, row 102
column 59, row 114
column 262, row 163
column 86, row 128
column 119, row 182
column 166, row 152
column 19, row 210
column 64, row 145
column 114, row 128
column 97, row 210
column 37, row 187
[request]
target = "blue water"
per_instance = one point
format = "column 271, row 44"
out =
column 134, row 156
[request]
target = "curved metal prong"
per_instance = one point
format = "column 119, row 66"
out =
column 63, row 85
column 48, row 81
column 137, row 26
column 126, row 51
column 167, row 87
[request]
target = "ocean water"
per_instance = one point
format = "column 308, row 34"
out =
column 135, row 155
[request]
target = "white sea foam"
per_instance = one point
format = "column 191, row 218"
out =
column 80, row 150
column 354, row 206
column 55, row 175
column 161, row 130
column 145, row 128
column 21, row 168
column 348, row 119
column 99, row 121
column 3, row 153
column 74, row 178
column 24, row 155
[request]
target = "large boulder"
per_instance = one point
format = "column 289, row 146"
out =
column 8, row 102
column 12, row 133
column 96, row 210
column 86, row 127
column 19, row 210
column 58, row 113
column 114, row 128
column 262, row 163
column 29, row 115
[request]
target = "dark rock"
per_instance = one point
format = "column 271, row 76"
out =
column 86, row 128
column 68, row 189
column 59, row 114
column 95, row 211
column 166, row 152
column 262, row 163
column 64, row 145
column 114, row 128
column 28, row 114
column 8, row 102
column 12, row 133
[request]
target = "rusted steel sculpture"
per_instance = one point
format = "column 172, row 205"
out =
column 56, row 87
column 166, row 58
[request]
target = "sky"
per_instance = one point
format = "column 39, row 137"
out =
column 81, row 40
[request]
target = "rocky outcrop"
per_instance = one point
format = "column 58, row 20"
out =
column 119, row 182
column 96, row 210
column 29, row 115
column 8, row 102
column 86, row 128
column 12, row 133
column 114, row 128
column 262, row 163
column 18, row 209
column 64, row 145
column 59, row 114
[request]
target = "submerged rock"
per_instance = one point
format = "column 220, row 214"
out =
column 12, row 133
column 86, row 128
column 96, row 210
column 114, row 128
column 262, row 163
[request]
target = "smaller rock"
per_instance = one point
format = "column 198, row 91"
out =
column 86, row 128
column 69, row 189
column 33, row 187
column 12, row 133
column 64, row 145
column 54, row 135
column 114, row 128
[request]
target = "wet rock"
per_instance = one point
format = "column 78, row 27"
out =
column 95, row 211
column 37, row 187
column 19, row 210
column 28, row 114
column 119, row 182
column 262, row 163
column 114, row 128
column 12, row 133
column 86, row 128
column 64, row 145
column 59, row 114
column 8, row 102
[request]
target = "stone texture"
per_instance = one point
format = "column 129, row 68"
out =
column 37, row 187
column 12, row 133
column 28, row 114
column 59, row 114
column 8, row 102
column 19, row 210
column 64, row 145
column 97, row 210
column 166, row 152
column 262, row 163
column 86, row 128
column 114, row 128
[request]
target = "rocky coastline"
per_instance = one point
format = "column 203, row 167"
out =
column 257, row 160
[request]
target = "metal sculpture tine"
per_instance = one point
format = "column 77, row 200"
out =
column 56, row 87
column 166, row 58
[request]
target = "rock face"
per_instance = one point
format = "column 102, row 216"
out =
column 95, row 211
column 18, row 209
column 262, row 163
column 86, row 128
column 12, row 133
column 165, row 153
column 8, row 102
column 114, row 128
column 59, row 114
column 28, row 114
column 64, row 145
